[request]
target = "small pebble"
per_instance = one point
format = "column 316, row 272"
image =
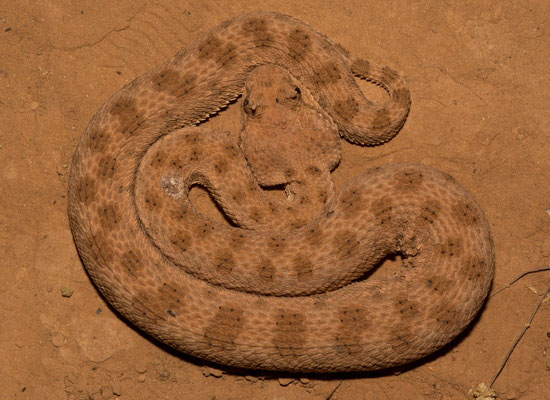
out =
column 285, row 381
column 141, row 367
column 58, row 340
column 117, row 390
column 66, row 291
column 105, row 391
column 208, row 371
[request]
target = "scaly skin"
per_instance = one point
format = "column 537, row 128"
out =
column 275, row 290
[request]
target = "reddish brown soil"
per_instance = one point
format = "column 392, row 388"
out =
column 479, row 78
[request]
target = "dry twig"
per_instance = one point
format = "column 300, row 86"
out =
column 526, row 325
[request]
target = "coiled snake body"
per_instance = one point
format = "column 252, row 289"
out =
column 279, row 287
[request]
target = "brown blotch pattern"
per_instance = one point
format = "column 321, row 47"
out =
column 226, row 54
column 304, row 200
column 401, row 336
column 225, row 327
column 353, row 323
column 182, row 240
column 209, row 47
column 171, row 82
column 221, row 166
column 132, row 262
column 255, row 214
column 102, row 249
column 351, row 202
column 193, row 139
column 303, row 267
column 383, row 210
column 106, row 166
column 289, row 173
column 171, row 297
column 402, row 97
column 276, row 243
column 452, row 247
column 109, row 215
column 98, row 139
column 160, row 159
column 327, row 74
column 158, row 304
column 297, row 223
column 345, row 243
column 466, row 213
column 389, row 75
column 259, row 29
column 204, row 230
column 290, row 333
column 361, row 68
column 299, row 44
column 347, row 109
column 439, row 284
column 313, row 237
column 382, row 119
column 445, row 315
column 86, row 189
column 126, row 112
column 313, row 170
column 408, row 180
column 266, row 270
column 153, row 201
column 232, row 151
column 429, row 212
column 141, row 303
column 175, row 161
column 225, row 261
column 273, row 209
column 238, row 197
column 404, row 306
column 474, row 268
column 195, row 154
column 238, row 239
column 178, row 214
column 322, row 195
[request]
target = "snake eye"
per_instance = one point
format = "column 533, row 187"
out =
column 249, row 109
column 295, row 94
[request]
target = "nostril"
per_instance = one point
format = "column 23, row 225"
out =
column 249, row 109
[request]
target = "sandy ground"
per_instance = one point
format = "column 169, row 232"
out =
column 479, row 78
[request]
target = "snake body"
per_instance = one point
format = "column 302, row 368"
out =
column 281, row 287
